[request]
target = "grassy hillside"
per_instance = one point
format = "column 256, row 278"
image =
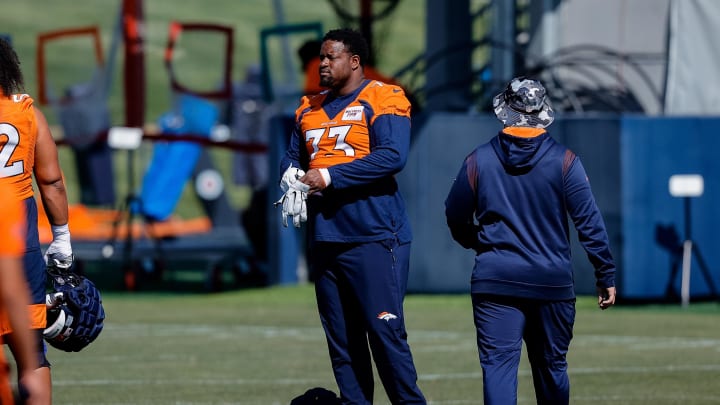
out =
column 399, row 38
column 198, row 59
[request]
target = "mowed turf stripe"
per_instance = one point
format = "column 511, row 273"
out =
column 422, row 376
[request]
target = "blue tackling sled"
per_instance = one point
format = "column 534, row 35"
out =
column 172, row 163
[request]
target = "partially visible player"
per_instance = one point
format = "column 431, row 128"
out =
column 28, row 149
column 14, row 299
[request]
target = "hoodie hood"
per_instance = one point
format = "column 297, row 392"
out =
column 519, row 154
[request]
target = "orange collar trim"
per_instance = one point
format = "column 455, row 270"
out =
column 523, row 132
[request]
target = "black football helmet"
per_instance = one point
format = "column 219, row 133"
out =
column 75, row 313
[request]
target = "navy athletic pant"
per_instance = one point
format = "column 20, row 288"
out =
column 360, row 290
column 35, row 272
column 546, row 327
column 33, row 260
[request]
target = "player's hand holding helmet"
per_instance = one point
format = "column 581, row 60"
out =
column 294, row 200
column 59, row 252
column 75, row 314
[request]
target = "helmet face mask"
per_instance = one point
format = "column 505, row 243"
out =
column 75, row 315
column 59, row 322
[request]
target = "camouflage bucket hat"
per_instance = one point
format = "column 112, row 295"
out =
column 524, row 103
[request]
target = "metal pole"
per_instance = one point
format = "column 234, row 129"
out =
column 685, row 283
column 134, row 69
column 287, row 53
column 687, row 258
column 687, row 219
column 366, row 28
column 504, row 31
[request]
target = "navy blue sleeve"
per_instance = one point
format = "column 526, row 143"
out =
column 589, row 223
column 389, row 148
column 460, row 206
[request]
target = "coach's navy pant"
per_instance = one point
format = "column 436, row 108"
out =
column 546, row 326
column 360, row 290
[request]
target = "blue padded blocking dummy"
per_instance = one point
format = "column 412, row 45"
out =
column 172, row 163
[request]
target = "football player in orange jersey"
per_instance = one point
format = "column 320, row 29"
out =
column 14, row 299
column 28, row 149
column 348, row 143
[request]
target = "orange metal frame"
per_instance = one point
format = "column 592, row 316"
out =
column 45, row 38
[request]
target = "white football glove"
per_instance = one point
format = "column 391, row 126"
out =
column 59, row 253
column 294, row 204
column 291, row 175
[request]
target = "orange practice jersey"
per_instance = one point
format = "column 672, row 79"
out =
column 363, row 139
column 12, row 235
column 18, row 133
column 12, row 223
column 345, row 136
column 12, row 244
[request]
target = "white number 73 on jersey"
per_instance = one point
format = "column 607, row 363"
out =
column 335, row 135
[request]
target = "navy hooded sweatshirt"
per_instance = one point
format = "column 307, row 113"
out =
column 510, row 203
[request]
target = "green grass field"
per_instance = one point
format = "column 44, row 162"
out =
column 400, row 37
column 266, row 346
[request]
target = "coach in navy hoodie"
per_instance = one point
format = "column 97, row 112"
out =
column 510, row 203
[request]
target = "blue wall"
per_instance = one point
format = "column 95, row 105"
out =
column 438, row 264
column 653, row 149
column 629, row 161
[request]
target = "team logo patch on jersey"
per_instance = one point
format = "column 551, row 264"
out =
column 353, row 113
column 386, row 316
column 19, row 97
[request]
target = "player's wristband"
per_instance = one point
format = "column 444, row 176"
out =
column 325, row 173
column 60, row 232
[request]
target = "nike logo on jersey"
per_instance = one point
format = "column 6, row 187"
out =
column 386, row 316
column 353, row 113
